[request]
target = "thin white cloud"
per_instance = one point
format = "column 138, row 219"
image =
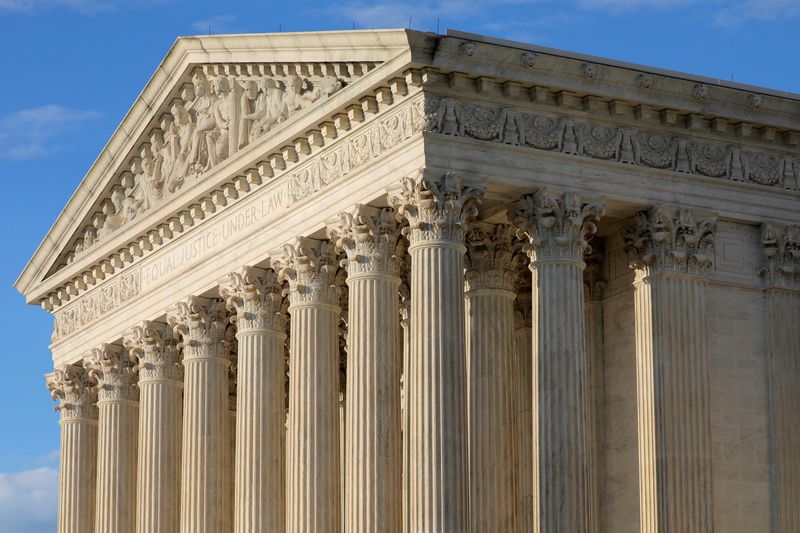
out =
column 29, row 501
column 32, row 133
column 735, row 13
column 88, row 7
column 217, row 24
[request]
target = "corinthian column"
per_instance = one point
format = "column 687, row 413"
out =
column 201, row 324
column 160, row 421
column 668, row 248
column 259, row 502
column 373, row 454
column 524, row 395
column 71, row 385
column 558, row 226
column 490, row 297
column 438, row 210
column 118, row 406
column 781, row 246
column 313, row 491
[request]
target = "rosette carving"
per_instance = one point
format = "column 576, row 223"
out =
column 371, row 239
column 781, row 247
column 201, row 324
column 436, row 208
column 75, row 391
column 115, row 373
column 256, row 296
column 557, row 225
column 310, row 266
column 490, row 257
column 156, row 349
column 669, row 239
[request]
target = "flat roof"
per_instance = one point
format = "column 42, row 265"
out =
column 622, row 64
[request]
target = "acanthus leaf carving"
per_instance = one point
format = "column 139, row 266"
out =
column 201, row 324
column 490, row 261
column 666, row 239
column 114, row 370
column 437, row 208
column 256, row 297
column 370, row 237
column 75, row 390
column 310, row 266
column 156, row 349
column 781, row 247
column 558, row 225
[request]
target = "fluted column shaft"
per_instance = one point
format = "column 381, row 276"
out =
column 370, row 238
column 160, row 426
column 260, row 444
column 78, row 457
column 669, row 252
column 206, row 421
column 489, row 334
column 782, row 277
column 313, row 502
column 524, row 393
column 438, row 210
column 558, row 226
column 118, row 419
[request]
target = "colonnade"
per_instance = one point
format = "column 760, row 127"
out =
column 496, row 427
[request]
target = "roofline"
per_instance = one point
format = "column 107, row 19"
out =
column 621, row 64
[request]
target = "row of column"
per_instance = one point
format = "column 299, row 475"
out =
column 501, row 411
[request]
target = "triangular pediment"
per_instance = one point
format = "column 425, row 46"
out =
column 212, row 98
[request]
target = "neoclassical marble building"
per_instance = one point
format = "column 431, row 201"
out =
column 393, row 281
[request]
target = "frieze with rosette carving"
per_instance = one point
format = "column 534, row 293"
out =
column 611, row 143
column 224, row 108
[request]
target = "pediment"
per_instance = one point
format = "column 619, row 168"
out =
column 210, row 99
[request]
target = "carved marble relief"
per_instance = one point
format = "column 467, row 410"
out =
column 621, row 144
column 224, row 109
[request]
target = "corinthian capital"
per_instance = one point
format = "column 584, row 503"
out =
column 156, row 349
column 670, row 240
column 781, row 247
column 490, row 259
column 115, row 373
column 371, row 239
column 436, row 208
column 75, row 391
column 558, row 225
column 310, row 266
column 200, row 323
column 256, row 296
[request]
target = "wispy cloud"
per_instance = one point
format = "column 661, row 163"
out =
column 29, row 500
column 216, row 24
column 32, row 133
column 735, row 13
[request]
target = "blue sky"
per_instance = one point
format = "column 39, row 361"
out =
column 72, row 68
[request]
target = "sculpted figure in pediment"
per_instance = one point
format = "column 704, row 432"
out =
column 180, row 138
column 203, row 153
column 223, row 106
column 269, row 109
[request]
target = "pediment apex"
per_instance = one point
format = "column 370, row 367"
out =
column 312, row 66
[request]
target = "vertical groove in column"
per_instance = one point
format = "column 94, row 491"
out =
column 674, row 413
column 561, row 363
column 523, row 390
column 438, row 489
column 159, row 463
column 373, row 449
column 595, row 411
column 75, row 390
column 492, row 447
column 206, row 419
column 313, row 500
column 405, row 349
column 118, row 409
column 783, row 308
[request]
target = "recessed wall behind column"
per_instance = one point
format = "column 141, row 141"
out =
column 739, row 398
column 620, row 498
